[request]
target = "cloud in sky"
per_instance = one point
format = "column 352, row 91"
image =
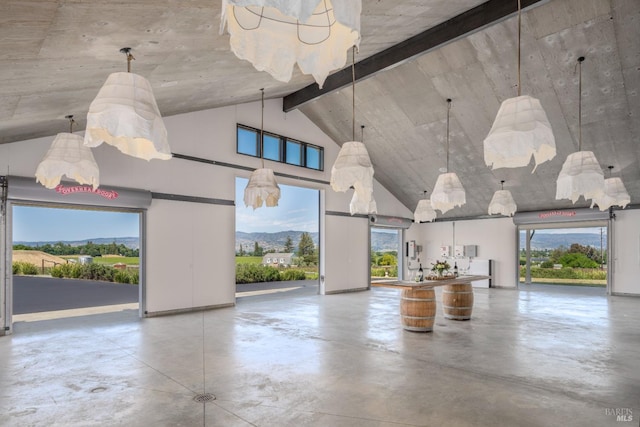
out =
column 297, row 210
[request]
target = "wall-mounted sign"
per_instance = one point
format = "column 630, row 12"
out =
column 559, row 216
column 550, row 214
column 107, row 194
column 28, row 190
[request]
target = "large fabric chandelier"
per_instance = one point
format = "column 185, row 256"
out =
column 615, row 194
column 69, row 157
column 448, row 191
column 502, row 202
column 353, row 168
column 521, row 130
column 274, row 35
column 424, row 211
column 262, row 186
column 125, row 114
column 581, row 174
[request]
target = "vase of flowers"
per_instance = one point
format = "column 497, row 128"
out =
column 439, row 267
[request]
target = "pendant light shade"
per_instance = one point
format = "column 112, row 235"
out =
column 502, row 203
column 615, row 194
column 262, row 188
column 424, row 211
column 125, row 114
column 361, row 205
column 521, row 130
column 581, row 174
column 448, row 193
column 274, row 35
column 69, row 157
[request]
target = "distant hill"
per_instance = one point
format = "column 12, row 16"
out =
column 384, row 242
column 269, row 241
column 130, row 242
column 380, row 242
column 553, row 241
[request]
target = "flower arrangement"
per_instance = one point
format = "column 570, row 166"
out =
column 440, row 267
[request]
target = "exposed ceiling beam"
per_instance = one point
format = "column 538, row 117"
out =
column 470, row 21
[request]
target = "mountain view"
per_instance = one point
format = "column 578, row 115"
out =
column 130, row 242
column 380, row 242
column 553, row 241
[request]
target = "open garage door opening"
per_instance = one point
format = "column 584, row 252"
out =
column 568, row 256
column 277, row 248
column 73, row 262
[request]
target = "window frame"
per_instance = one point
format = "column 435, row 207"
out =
column 282, row 148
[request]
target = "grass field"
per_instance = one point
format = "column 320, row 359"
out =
column 109, row 260
column 248, row 260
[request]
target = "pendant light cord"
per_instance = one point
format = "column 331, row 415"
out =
column 519, row 42
column 353, row 93
column 127, row 52
column 71, row 122
column 580, row 102
column 262, row 130
column 448, row 111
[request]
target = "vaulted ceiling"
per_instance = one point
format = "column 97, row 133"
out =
column 55, row 55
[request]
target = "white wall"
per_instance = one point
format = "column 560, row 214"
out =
column 181, row 278
column 346, row 264
column 626, row 240
column 494, row 237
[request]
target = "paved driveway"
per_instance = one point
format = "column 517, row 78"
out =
column 37, row 294
column 34, row 294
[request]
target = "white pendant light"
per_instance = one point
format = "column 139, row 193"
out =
column 424, row 211
column 521, row 130
column 581, row 174
column 502, row 202
column 125, row 114
column 353, row 168
column 364, row 207
column 615, row 194
column 262, row 186
column 69, row 157
column 448, row 192
column 274, row 35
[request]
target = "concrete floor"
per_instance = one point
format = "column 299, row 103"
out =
column 545, row 356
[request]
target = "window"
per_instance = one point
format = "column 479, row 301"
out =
column 271, row 147
column 314, row 157
column 248, row 142
column 281, row 260
column 294, row 153
column 278, row 148
column 268, row 260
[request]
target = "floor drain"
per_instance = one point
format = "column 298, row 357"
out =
column 98, row 389
column 204, row 397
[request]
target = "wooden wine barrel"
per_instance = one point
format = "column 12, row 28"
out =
column 457, row 301
column 418, row 309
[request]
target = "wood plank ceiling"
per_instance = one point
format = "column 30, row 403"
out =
column 55, row 55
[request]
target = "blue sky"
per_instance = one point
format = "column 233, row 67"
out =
column 31, row 224
column 297, row 210
column 591, row 230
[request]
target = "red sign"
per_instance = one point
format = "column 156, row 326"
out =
column 545, row 215
column 107, row 194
